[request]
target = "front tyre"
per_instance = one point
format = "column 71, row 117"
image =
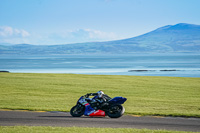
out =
column 77, row 111
column 115, row 111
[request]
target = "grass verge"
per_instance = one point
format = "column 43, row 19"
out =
column 164, row 96
column 32, row 129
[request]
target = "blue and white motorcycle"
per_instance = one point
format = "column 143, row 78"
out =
column 85, row 106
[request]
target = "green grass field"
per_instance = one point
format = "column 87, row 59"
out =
column 165, row 96
column 26, row 129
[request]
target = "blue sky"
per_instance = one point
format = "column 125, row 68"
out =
column 48, row 22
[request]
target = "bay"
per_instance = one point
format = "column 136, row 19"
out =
column 149, row 64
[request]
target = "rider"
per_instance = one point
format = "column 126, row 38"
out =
column 99, row 97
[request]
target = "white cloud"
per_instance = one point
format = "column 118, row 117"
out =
column 91, row 34
column 13, row 35
column 16, row 36
column 78, row 36
column 99, row 34
column 6, row 31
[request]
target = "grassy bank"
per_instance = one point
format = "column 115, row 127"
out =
column 26, row 129
column 167, row 96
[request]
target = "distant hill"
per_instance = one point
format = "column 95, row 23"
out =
column 181, row 37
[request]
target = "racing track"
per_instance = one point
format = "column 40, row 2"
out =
column 62, row 119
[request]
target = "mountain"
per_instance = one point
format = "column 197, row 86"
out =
column 181, row 37
column 171, row 38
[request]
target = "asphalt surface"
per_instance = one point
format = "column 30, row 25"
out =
column 62, row 119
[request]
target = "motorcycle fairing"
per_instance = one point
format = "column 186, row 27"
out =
column 82, row 101
column 89, row 111
column 98, row 113
column 117, row 100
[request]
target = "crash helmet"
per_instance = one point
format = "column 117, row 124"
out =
column 100, row 94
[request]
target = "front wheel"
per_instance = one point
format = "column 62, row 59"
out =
column 77, row 111
column 115, row 111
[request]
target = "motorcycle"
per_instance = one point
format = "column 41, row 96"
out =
column 86, row 106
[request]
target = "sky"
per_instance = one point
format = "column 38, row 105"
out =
column 52, row 22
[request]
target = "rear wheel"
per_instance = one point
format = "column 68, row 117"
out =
column 115, row 111
column 77, row 111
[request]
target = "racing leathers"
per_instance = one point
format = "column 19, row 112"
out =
column 97, row 101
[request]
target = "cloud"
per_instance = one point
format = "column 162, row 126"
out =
column 6, row 31
column 92, row 35
column 99, row 34
column 79, row 36
column 17, row 36
column 13, row 35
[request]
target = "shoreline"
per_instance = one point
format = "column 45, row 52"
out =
column 153, row 70
column 108, row 74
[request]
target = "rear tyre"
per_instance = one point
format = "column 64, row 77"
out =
column 115, row 111
column 77, row 111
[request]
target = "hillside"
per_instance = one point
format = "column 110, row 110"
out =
column 181, row 37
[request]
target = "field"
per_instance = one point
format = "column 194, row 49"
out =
column 26, row 129
column 161, row 96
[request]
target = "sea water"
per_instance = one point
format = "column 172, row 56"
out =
column 149, row 64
